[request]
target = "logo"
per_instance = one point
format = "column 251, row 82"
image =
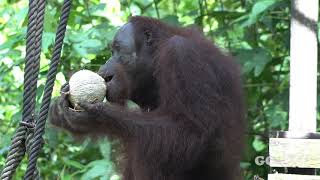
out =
column 261, row 160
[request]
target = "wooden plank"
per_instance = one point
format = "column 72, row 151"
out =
column 300, row 153
column 303, row 66
column 293, row 135
column 292, row 177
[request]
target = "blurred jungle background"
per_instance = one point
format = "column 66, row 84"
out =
column 256, row 32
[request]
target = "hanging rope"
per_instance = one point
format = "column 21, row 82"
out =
column 40, row 125
column 17, row 148
column 24, row 138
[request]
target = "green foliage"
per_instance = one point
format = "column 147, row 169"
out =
column 256, row 32
column 259, row 8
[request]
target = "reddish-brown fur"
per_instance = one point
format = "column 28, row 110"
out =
column 195, row 126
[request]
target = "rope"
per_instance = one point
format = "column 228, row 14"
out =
column 17, row 148
column 40, row 124
column 26, row 138
column 36, row 65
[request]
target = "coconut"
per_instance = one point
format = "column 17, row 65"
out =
column 86, row 87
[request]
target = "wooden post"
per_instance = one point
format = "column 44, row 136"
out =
column 303, row 66
column 297, row 151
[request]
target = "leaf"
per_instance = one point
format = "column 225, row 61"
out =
column 99, row 168
column 245, row 165
column 65, row 176
column 12, row 53
column 132, row 105
column 97, row 10
column 171, row 19
column 77, row 37
column 4, row 143
column 91, row 43
column 47, row 40
column 51, row 137
column 258, row 8
column 105, row 149
column 40, row 92
column 80, row 50
column 254, row 60
column 50, row 24
column 261, row 6
column 21, row 15
column 74, row 164
column 277, row 116
column 17, row 116
column 12, row 41
column 258, row 145
column 223, row 15
column 261, row 59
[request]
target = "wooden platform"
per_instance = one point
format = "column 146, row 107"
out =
column 294, row 151
column 298, row 153
column 292, row 177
